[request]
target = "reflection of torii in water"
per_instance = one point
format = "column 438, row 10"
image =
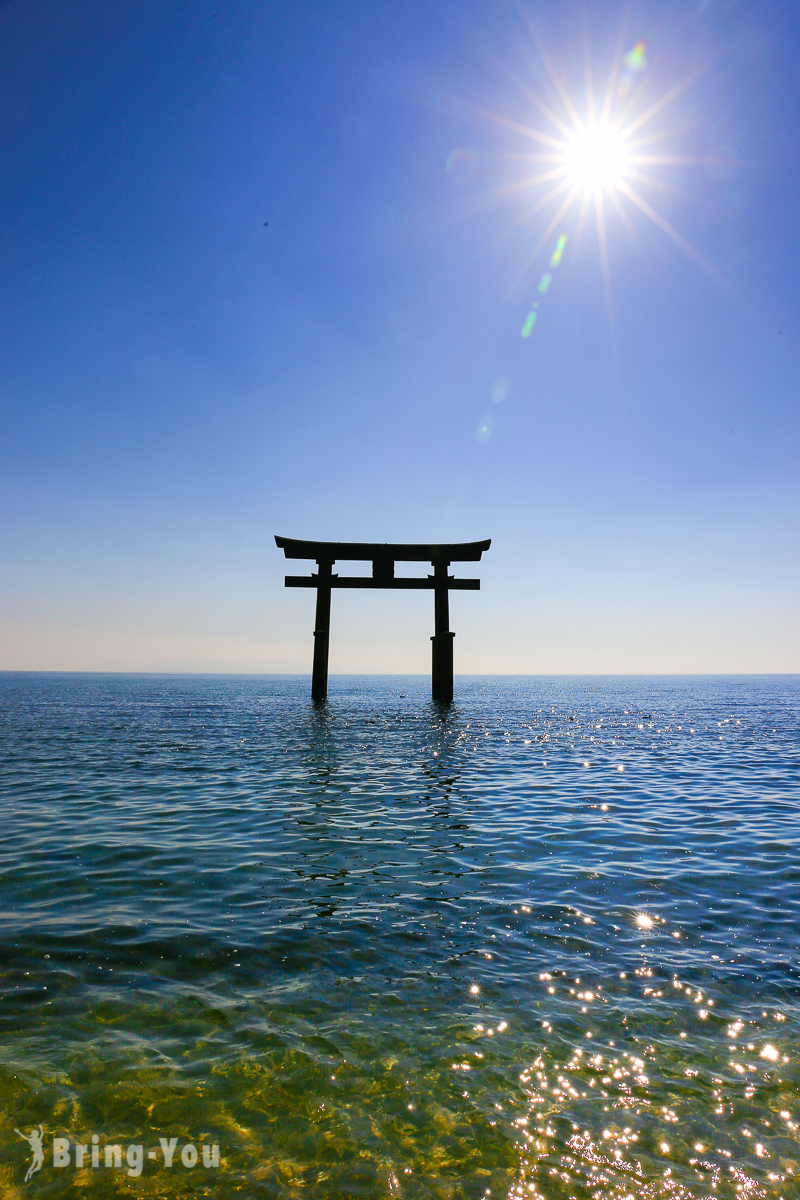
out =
column 34, row 1140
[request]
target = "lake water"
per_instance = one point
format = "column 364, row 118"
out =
column 544, row 943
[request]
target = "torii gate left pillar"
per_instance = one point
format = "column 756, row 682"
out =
column 383, row 557
column 322, row 631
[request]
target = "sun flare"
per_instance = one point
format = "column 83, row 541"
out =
column 599, row 154
column 596, row 158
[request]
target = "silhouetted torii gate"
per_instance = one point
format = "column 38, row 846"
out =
column 383, row 557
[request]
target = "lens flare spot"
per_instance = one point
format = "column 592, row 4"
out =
column 635, row 58
column 555, row 257
column 500, row 388
column 530, row 321
column 484, row 430
column 462, row 166
column 635, row 62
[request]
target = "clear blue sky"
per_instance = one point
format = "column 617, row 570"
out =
column 179, row 380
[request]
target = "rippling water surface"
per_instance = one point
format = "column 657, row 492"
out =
column 541, row 944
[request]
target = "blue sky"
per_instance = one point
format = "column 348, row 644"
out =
column 179, row 380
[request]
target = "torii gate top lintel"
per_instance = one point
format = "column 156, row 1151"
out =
column 371, row 551
column 383, row 556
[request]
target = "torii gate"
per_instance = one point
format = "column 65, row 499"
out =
column 383, row 557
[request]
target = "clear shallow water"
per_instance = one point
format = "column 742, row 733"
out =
column 545, row 943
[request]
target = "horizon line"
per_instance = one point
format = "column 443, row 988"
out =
column 413, row 675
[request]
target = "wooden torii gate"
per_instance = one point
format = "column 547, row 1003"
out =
column 383, row 557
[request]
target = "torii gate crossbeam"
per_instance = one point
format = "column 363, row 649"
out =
column 383, row 557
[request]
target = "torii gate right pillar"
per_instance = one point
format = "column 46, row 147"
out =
column 442, row 640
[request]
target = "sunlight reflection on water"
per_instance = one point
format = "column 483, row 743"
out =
column 377, row 950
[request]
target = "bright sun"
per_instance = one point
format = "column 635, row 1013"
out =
column 595, row 158
column 596, row 154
